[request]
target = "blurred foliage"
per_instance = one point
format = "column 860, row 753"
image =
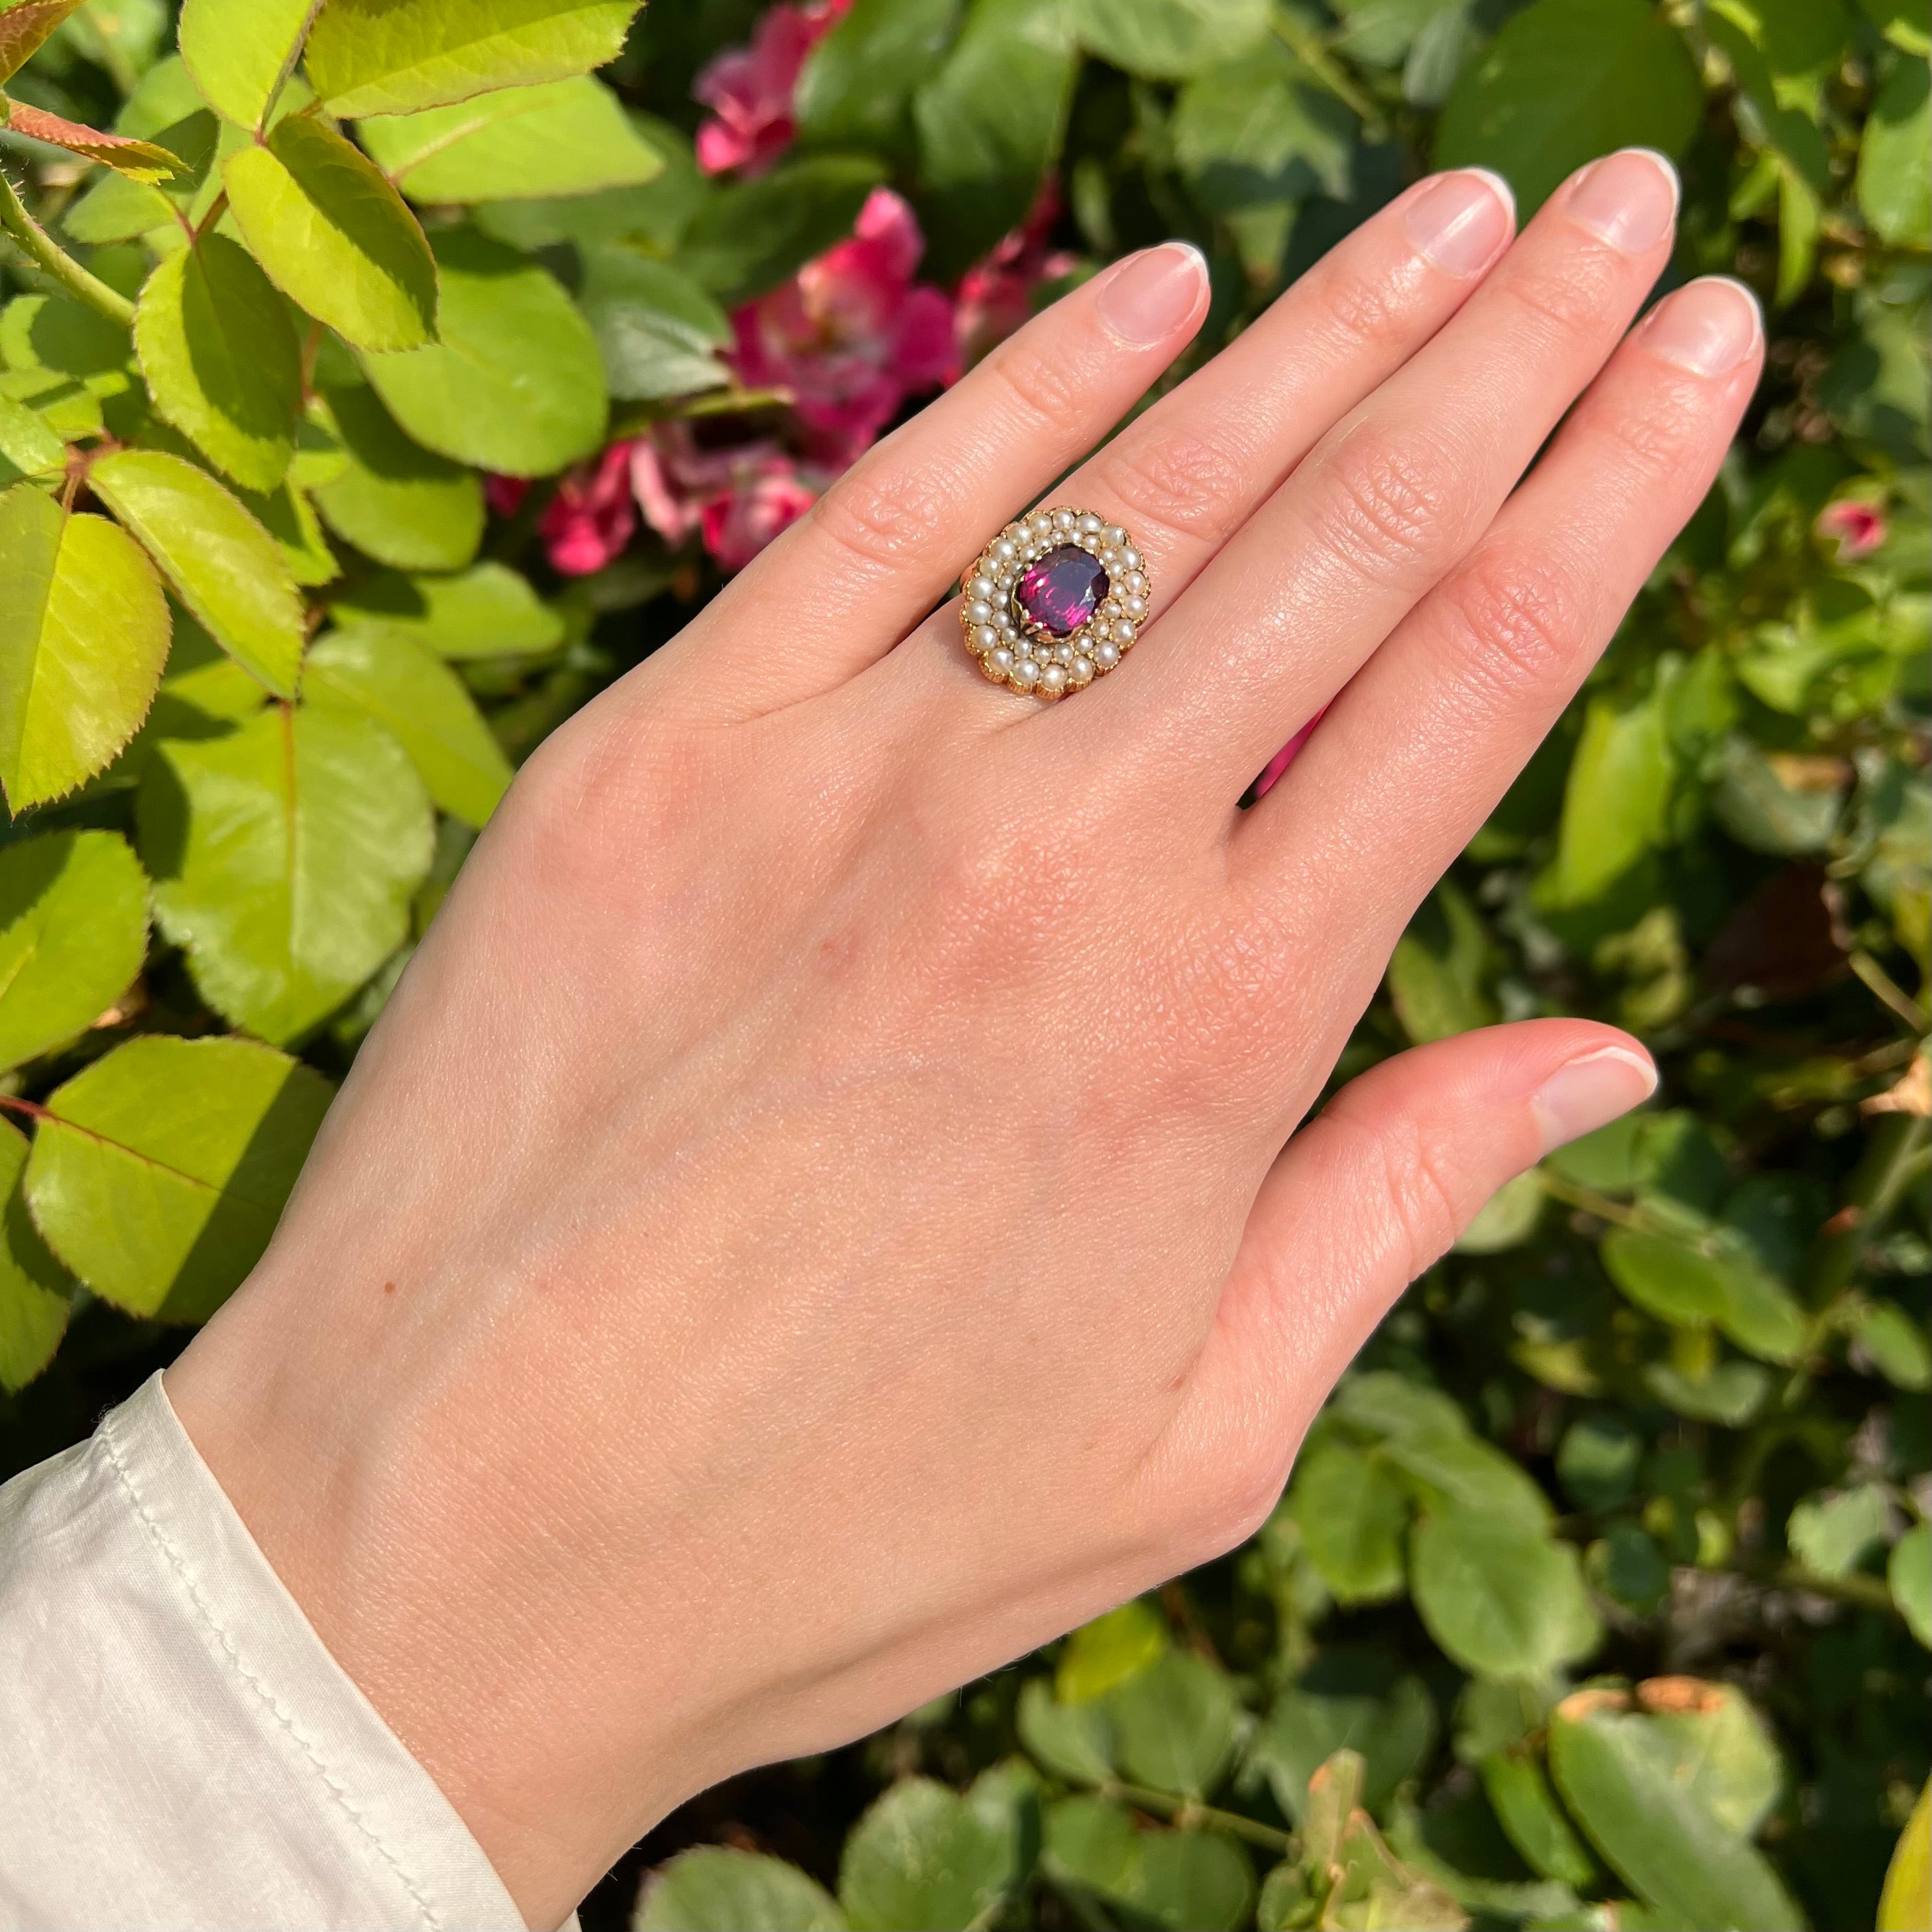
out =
column 1601, row 1593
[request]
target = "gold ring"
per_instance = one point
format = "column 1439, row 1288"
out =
column 1056, row 600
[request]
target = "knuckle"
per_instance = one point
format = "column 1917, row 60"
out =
column 1181, row 482
column 1517, row 615
column 882, row 515
column 1578, row 299
column 1386, row 502
column 1047, row 387
column 1657, row 440
column 1362, row 309
column 1425, row 1217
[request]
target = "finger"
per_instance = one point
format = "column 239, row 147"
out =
column 1369, row 1194
column 1389, row 499
column 1183, row 477
column 846, row 582
column 1413, row 756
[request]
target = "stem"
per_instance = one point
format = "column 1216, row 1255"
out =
column 1308, row 49
column 1186, row 1811
column 1575, row 1194
column 34, row 241
column 1887, row 989
column 217, row 209
column 1877, row 1183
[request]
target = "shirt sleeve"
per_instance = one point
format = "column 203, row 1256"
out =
column 181, row 1749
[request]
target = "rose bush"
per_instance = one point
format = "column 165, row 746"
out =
column 363, row 410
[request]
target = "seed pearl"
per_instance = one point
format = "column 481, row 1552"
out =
column 1091, row 525
column 985, row 638
column 1000, row 663
column 978, row 611
column 1006, row 626
column 1135, row 581
column 1100, row 630
column 1054, row 679
column 1080, row 672
column 1025, row 675
column 1042, row 527
column 1124, row 635
column 1106, row 656
column 1062, row 520
column 1131, row 557
column 1062, row 654
column 1110, row 558
column 1134, row 607
column 1005, row 549
column 980, row 586
column 1116, row 535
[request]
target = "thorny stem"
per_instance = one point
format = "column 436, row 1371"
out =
column 34, row 241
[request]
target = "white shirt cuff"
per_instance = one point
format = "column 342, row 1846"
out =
column 182, row 1751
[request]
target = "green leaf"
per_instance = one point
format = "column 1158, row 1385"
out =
column 1168, row 40
column 241, row 52
column 1175, row 1723
column 161, row 1171
column 283, row 857
column 227, row 569
column 424, row 703
column 25, row 28
column 1503, row 1600
column 28, row 447
column 396, row 56
column 83, row 636
column 1596, row 1460
column 922, row 1856
column 1618, row 793
column 1391, row 1405
column 1345, row 1701
column 335, row 237
column 1725, row 1759
column 1568, row 80
column 514, row 385
column 1895, row 1344
column 290, row 518
column 1894, row 184
column 1074, row 1742
column 1464, row 1473
column 1109, row 1652
column 1437, row 971
column 991, row 122
column 1352, row 1513
column 1711, row 1281
column 74, row 931
column 717, row 1889
column 1830, row 1535
column 1508, row 1218
column 858, row 81
column 1616, row 1772
column 36, row 1292
column 1730, row 1393
column 221, row 359
column 748, row 237
column 658, row 331
column 1534, row 1821
column 486, row 611
column 1909, row 1574
column 395, row 501
column 568, row 137
column 1184, row 1881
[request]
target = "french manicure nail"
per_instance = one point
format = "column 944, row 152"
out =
column 1591, row 1091
column 1461, row 221
column 1148, row 297
column 1628, row 198
column 1707, row 327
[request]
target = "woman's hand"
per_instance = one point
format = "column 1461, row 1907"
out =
column 817, row 1218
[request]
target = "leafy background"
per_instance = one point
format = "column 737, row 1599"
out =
column 1600, row 1596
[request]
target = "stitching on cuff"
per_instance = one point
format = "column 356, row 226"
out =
column 106, row 1435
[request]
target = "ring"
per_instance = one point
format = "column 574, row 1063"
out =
column 1056, row 600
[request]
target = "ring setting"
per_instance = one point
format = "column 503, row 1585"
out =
column 1055, row 600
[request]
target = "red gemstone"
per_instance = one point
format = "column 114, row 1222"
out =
column 1062, row 590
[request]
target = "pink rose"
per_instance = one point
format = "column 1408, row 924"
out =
column 749, row 90
column 589, row 521
column 504, row 494
column 739, row 524
column 996, row 293
column 852, row 334
column 1858, row 528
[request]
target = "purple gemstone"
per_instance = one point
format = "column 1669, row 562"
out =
column 1062, row 591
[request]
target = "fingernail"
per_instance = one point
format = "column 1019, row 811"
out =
column 1708, row 327
column 1463, row 221
column 1628, row 199
column 1149, row 296
column 1591, row 1091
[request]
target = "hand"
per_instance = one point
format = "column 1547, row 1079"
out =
column 817, row 1218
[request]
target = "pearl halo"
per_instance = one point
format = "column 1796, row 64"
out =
column 1025, row 656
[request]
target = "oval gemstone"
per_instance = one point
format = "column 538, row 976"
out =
column 1061, row 590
